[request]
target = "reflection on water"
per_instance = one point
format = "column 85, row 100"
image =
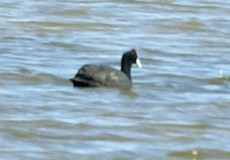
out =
column 178, row 107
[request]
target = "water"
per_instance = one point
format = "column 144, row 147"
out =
column 178, row 107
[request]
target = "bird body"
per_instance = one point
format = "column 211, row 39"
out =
column 105, row 77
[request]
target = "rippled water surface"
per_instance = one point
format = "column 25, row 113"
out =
column 178, row 107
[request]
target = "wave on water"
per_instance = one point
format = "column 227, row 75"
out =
column 25, row 76
column 200, row 154
column 219, row 80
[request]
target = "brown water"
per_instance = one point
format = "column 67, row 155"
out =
column 178, row 107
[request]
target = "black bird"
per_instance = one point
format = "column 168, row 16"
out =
column 91, row 75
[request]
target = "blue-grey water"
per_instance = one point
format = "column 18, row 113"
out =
column 178, row 108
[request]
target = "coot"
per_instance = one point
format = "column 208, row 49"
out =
column 91, row 75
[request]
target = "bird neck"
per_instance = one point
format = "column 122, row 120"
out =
column 126, row 67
